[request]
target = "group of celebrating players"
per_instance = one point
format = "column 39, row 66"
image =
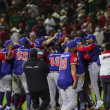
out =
column 67, row 62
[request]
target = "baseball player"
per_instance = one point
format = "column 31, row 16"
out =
column 81, row 71
column 6, row 78
column 53, row 61
column 20, row 55
column 67, row 80
column 93, row 67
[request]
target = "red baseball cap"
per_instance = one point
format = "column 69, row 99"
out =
column 88, row 18
column 108, row 9
column 64, row 28
column 20, row 25
column 34, row 28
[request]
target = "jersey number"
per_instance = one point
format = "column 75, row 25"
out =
column 56, row 62
column 63, row 64
column 22, row 55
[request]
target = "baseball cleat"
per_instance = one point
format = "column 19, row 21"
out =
column 1, row 107
column 99, row 103
column 19, row 108
column 82, row 107
column 91, row 105
column 76, row 108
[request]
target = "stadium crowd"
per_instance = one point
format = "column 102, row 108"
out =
column 66, row 26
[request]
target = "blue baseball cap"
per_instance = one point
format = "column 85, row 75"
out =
column 38, row 43
column 90, row 37
column 7, row 42
column 71, row 44
column 78, row 40
column 23, row 40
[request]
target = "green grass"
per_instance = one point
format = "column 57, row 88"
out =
column 25, row 104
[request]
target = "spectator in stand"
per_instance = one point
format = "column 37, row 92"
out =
column 92, row 5
column 15, row 19
column 15, row 35
column 106, row 32
column 27, row 29
column 47, row 5
column 1, row 47
column 108, row 18
column 21, row 29
column 3, row 25
column 73, row 33
column 64, row 31
column 75, row 4
column 63, row 14
column 41, row 29
column 3, row 5
column 49, row 23
column 34, row 29
column 101, row 19
column 99, row 36
column 4, row 35
column 29, row 20
column 69, row 9
column 32, row 37
column 85, row 30
column 33, row 10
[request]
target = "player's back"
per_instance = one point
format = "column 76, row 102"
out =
column 6, row 67
column 95, row 54
column 21, row 54
column 54, row 60
column 80, row 67
column 65, row 78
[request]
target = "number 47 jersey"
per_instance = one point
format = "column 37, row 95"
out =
column 20, row 55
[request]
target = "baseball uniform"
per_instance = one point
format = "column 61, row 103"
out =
column 54, row 60
column 65, row 80
column 20, row 55
column 6, row 79
column 5, row 76
column 93, row 67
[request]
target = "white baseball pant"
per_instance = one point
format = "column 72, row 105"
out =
column 6, row 83
column 93, row 72
column 52, row 82
column 19, row 82
column 69, row 97
column 80, row 82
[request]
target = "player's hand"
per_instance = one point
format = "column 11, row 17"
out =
column 75, row 85
column 83, row 77
column 11, row 46
column 55, row 34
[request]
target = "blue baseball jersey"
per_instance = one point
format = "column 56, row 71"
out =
column 94, row 54
column 65, row 78
column 20, row 55
column 7, row 66
column 80, row 67
column 54, row 60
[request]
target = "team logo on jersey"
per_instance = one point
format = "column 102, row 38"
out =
column 37, row 43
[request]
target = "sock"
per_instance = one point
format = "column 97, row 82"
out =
column 1, row 98
column 22, row 100
column 16, row 100
column 81, row 96
column 8, row 97
column 12, row 99
column 28, row 99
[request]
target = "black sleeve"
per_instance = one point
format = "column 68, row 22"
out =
column 24, row 66
column 46, row 67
